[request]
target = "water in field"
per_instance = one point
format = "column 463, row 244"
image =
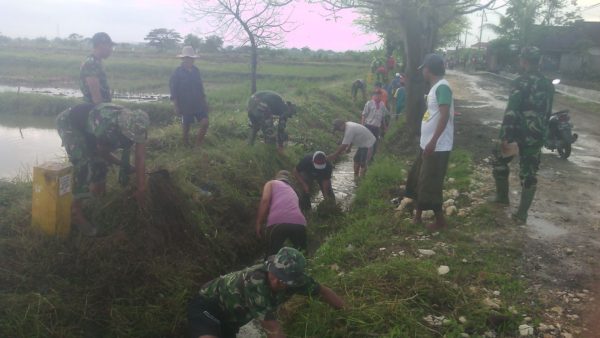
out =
column 25, row 143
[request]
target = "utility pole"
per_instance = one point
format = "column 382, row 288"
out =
column 481, row 28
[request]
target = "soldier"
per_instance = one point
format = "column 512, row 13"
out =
column 90, row 133
column 525, row 122
column 359, row 85
column 227, row 303
column 262, row 107
column 92, row 77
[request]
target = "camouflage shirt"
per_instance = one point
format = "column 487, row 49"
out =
column 528, row 109
column 92, row 67
column 245, row 295
column 268, row 103
column 103, row 125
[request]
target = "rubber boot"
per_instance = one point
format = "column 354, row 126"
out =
column 501, row 192
column 527, row 195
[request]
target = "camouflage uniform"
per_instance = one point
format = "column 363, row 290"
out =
column 525, row 122
column 92, row 67
column 85, row 127
column 262, row 107
column 237, row 298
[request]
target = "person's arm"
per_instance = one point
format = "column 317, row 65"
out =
column 204, row 102
column 337, row 153
column 272, row 328
column 364, row 114
column 93, row 85
column 331, row 298
column 325, row 188
column 300, row 179
column 140, row 171
column 263, row 208
column 439, row 129
column 173, row 89
column 107, row 155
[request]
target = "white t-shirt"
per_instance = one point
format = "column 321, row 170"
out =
column 358, row 135
column 431, row 118
column 374, row 116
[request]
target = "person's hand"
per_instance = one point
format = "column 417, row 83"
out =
column 305, row 187
column 429, row 148
column 331, row 158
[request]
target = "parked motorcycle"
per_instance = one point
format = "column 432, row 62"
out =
column 560, row 137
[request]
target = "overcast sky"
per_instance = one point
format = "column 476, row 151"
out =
column 131, row 20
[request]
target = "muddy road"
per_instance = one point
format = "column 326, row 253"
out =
column 562, row 251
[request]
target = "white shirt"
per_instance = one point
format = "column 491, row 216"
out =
column 372, row 115
column 358, row 135
column 431, row 118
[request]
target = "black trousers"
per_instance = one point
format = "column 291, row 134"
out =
column 277, row 234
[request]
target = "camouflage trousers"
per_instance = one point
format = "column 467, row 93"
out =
column 87, row 166
column 260, row 120
column 529, row 164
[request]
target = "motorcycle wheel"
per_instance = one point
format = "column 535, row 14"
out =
column 564, row 150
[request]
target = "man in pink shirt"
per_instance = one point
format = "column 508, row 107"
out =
column 280, row 207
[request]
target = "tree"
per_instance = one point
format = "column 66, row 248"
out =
column 417, row 24
column 163, row 39
column 213, row 44
column 258, row 23
column 193, row 40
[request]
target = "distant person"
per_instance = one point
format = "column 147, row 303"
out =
column 359, row 85
column 426, row 178
column 187, row 94
column 90, row 134
column 382, row 75
column 383, row 93
column 395, row 84
column 263, row 107
column 374, row 117
column 390, row 63
column 524, row 123
column 92, row 78
column 358, row 135
column 400, row 96
column 280, row 209
column 314, row 167
column 229, row 302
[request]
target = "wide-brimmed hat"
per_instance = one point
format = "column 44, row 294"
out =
column 319, row 160
column 188, row 52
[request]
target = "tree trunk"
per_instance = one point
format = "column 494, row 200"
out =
column 253, row 67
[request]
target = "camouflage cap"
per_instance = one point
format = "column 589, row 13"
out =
column 134, row 124
column 530, row 54
column 288, row 266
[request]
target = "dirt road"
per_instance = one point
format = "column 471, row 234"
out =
column 562, row 252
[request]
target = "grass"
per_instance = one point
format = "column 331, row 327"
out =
column 374, row 263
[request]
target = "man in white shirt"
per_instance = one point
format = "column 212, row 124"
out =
column 374, row 117
column 426, row 178
column 358, row 135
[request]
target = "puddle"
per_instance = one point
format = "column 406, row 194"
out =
column 542, row 229
column 76, row 93
column 23, row 148
column 489, row 95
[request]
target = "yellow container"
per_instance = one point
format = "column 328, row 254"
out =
column 52, row 198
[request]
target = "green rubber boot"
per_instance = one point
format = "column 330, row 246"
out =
column 527, row 195
column 501, row 192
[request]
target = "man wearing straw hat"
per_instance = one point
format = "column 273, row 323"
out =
column 187, row 93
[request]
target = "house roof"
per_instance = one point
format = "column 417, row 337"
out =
column 568, row 38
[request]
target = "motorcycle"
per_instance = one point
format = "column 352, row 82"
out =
column 560, row 137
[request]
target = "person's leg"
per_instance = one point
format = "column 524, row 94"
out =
column 431, row 183
column 501, row 173
column 202, row 319
column 529, row 164
column 305, row 204
column 282, row 136
column 376, row 132
column 268, row 129
column 326, row 191
column 368, row 154
column 202, row 131
column 186, row 122
column 297, row 235
column 357, row 161
column 276, row 236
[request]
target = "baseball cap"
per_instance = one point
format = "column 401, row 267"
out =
column 134, row 124
column 100, row 38
column 398, row 74
column 288, row 266
column 319, row 160
column 434, row 63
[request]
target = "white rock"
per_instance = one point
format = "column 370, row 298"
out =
column 434, row 320
column 451, row 210
column 525, row 330
column 426, row 252
column 443, row 269
column 559, row 310
column 496, row 293
column 404, row 204
column 464, row 260
column 451, row 180
column 461, row 213
column 494, row 304
column 382, row 249
column 527, row 319
column 567, row 335
column 428, row 214
column 350, row 247
column 462, row 319
column 543, row 327
column 334, row 267
column 449, row 202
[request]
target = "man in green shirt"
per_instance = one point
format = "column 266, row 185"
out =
column 229, row 302
column 92, row 78
column 263, row 107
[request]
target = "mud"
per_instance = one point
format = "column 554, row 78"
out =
column 562, row 248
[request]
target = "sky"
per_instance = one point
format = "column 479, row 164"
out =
column 131, row 20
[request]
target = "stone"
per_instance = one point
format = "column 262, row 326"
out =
column 569, row 251
column 543, row 327
column 334, row 267
column 443, row 269
column 464, row 335
column 525, row 330
column 434, row 320
column 404, row 204
column 461, row 213
column 350, row 247
column 451, row 180
column 451, row 210
column 559, row 310
column 567, row 335
column 494, row 304
column 426, row 252
column 449, row 202
column 527, row 319
column 462, row 319
column 496, row 293
column 382, row 249
column 428, row 214
column 464, row 260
